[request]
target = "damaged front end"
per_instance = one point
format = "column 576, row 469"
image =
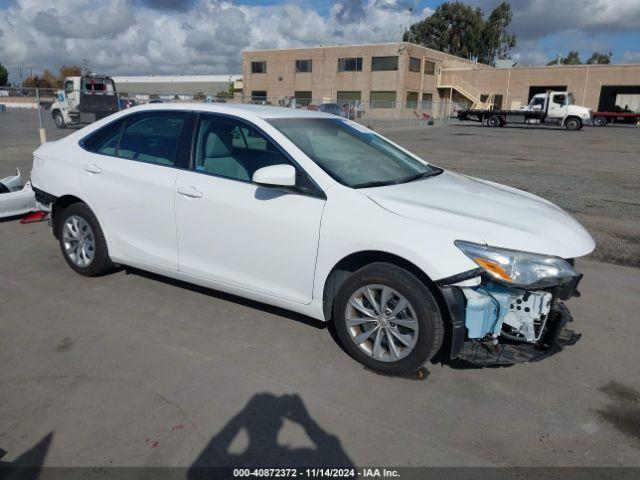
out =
column 510, row 309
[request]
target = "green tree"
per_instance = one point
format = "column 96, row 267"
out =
column 572, row 58
column 4, row 75
column 600, row 58
column 462, row 30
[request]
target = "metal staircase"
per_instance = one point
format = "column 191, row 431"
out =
column 449, row 80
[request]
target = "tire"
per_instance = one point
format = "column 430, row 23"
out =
column 493, row 121
column 93, row 259
column 59, row 119
column 424, row 332
column 600, row 121
column 572, row 124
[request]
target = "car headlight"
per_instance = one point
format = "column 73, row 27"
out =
column 518, row 268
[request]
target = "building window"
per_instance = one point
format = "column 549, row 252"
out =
column 384, row 63
column 348, row 96
column 304, row 66
column 350, row 64
column 259, row 96
column 412, row 99
column 258, row 67
column 383, row 99
column 427, row 97
column 414, row 64
column 429, row 67
column 302, row 98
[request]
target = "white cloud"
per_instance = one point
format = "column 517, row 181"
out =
column 534, row 19
column 631, row 57
column 201, row 36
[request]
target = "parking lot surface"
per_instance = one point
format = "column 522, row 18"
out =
column 134, row 369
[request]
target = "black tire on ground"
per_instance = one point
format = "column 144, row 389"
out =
column 493, row 121
column 59, row 119
column 429, row 318
column 573, row 124
column 101, row 263
column 600, row 121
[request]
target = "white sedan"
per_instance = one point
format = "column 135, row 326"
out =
column 317, row 214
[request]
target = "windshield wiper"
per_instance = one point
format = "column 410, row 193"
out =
column 376, row 183
column 418, row 176
column 411, row 178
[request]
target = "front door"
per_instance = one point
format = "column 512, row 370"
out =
column 233, row 231
column 557, row 105
column 130, row 177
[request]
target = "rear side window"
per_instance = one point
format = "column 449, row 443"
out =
column 151, row 138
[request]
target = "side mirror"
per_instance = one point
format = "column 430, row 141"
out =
column 280, row 175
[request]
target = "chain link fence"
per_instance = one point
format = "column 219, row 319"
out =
column 63, row 108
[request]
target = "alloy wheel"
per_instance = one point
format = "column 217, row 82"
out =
column 382, row 322
column 79, row 241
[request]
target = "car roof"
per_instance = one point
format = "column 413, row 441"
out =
column 260, row 111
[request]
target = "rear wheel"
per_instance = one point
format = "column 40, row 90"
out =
column 600, row 121
column 573, row 124
column 387, row 319
column 82, row 242
column 493, row 121
column 59, row 119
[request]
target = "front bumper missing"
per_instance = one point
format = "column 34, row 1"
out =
column 555, row 338
column 494, row 349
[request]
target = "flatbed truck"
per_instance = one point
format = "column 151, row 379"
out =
column 550, row 108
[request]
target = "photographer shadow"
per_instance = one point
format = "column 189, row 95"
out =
column 262, row 418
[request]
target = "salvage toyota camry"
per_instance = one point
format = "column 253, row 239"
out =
column 317, row 214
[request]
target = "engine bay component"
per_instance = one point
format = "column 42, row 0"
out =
column 513, row 313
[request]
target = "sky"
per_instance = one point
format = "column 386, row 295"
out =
column 131, row 37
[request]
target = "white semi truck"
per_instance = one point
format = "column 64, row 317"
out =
column 550, row 108
column 84, row 99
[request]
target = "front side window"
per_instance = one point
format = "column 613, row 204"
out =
column 68, row 86
column 560, row 99
column 304, row 66
column 384, row 63
column 258, row 67
column 350, row 64
column 229, row 148
column 352, row 154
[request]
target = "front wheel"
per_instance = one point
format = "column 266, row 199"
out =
column 573, row 124
column 81, row 240
column 59, row 119
column 387, row 319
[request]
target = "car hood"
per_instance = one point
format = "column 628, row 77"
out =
column 501, row 216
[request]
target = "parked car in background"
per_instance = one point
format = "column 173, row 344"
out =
column 317, row 214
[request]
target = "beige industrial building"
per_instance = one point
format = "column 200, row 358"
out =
column 403, row 77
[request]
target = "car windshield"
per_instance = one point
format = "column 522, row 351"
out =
column 352, row 154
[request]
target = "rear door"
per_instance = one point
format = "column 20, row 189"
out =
column 129, row 177
column 233, row 231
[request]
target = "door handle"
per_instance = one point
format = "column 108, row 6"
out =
column 92, row 168
column 192, row 192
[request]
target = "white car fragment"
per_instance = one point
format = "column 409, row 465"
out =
column 16, row 199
